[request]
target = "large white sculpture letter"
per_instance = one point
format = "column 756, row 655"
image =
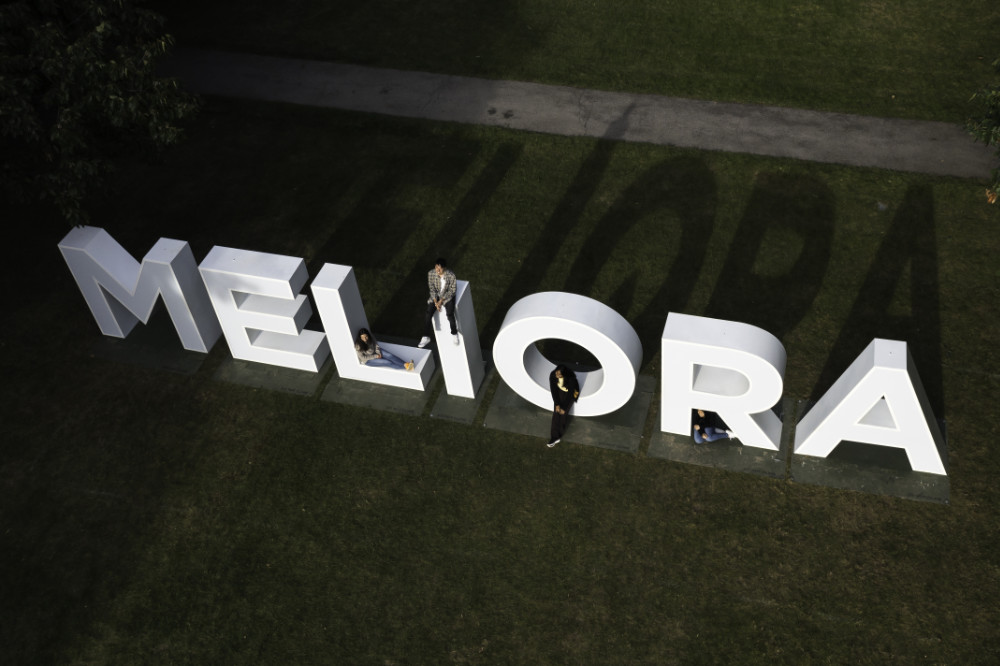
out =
column 338, row 301
column 736, row 370
column 584, row 321
column 878, row 400
column 256, row 297
column 462, row 364
column 103, row 268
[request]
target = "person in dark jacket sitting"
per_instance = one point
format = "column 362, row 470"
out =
column 702, row 432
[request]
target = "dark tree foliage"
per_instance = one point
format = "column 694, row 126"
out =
column 77, row 91
column 985, row 125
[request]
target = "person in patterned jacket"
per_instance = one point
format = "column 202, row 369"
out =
column 441, row 284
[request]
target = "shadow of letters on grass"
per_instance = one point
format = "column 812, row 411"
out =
column 787, row 217
column 681, row 189
column 564, row 218
column 905, row 269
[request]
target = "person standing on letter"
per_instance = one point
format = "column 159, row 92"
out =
column 441, row 284
column 565, row 391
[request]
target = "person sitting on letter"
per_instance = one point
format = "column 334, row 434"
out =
column 441, row 284
column 705, row 433
column 371, row 353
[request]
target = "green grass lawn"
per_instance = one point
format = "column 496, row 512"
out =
column 911, row 60
column 148, row 517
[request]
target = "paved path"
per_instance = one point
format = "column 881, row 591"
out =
column 903, row 145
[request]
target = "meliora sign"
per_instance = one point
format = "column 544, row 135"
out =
column 254, row 299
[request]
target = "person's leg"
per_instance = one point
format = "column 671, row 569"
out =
column 393, row 359
column 380, row 363
column 713, row 434
column 449, row 310
column 429, row 320
column 696, row 433
column 558, row 426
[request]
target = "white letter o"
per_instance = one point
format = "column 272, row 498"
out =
column 578, row 319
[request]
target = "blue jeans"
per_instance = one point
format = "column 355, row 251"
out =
column 388, row 360
column 710, row 435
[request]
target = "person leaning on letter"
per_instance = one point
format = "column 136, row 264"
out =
column 565, row 391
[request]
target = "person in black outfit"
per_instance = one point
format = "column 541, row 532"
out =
column 565, row 391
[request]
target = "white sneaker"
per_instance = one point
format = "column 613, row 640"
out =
column 553, row 443
column 424, row 341
column 456, row 338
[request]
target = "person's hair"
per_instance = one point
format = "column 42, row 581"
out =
column 564, row 371
column 365, row 346
column 440, row 261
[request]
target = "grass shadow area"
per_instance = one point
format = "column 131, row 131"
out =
column 380, row 397
column 620, row 430
column 153, row 516
column 871, row 469
column 272, row 378
column 461, row 409
column 852, row 57
column 725, row 454
column 153, row 345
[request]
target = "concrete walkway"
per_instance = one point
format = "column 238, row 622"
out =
column 837, row 138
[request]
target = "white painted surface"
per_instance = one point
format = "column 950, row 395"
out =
column 461, row 364
column 578, row 319
column 879, row 400
column 256, row 296
column 338, row 301
column 120, row 292
column 735, row 370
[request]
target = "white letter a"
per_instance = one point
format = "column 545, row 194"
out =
column 879, row 400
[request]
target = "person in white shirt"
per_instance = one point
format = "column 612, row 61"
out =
column 441, row 284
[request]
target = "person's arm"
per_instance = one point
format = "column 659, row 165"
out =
column 364, row 355
column 554, row 388
column 433, row 280
column 696, row 434
column 698, row 423
column 450, row 284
